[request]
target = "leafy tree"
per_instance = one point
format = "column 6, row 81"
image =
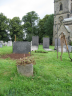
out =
column 4, row 27
column 49, row 27
column 30, row 27
column 41, row 30
column 16, row 29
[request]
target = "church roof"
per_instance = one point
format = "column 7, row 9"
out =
column 69, row 30
column 67, row 19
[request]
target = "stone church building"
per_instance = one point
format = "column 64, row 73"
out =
column 62, row 19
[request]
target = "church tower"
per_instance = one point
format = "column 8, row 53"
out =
column 62, row 10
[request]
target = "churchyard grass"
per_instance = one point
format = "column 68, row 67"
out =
column 52, row 77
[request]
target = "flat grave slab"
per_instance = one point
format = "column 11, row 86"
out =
column 21, row 47
column 45, row 43
column 48, row 49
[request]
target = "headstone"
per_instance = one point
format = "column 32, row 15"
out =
column 71, row 48
column 35, row 43
column 0, row 45
column 59, row 43
column 46, row 43
column 9, row 43
column 1, row 42
column 21, row 47
column 35, row 40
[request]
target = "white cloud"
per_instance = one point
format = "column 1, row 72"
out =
column 21, row 7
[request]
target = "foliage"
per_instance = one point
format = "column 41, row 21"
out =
column 41, row 29
column 29, row 26
column 4, row 27
column 49, row 27
column 16, row 29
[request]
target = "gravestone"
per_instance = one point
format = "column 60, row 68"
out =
column 35, row 43
column 46, row 43
column 0, row 45
column 21, row 47
column 1, row 42
column 35, row 40
column 71, row 48
column 59, row 43
column 9, row 43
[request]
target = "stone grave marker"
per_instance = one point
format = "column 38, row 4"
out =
column 46, row 43
column 9, row 43
column 21, row 47
column 0, row 45
column 35, row 43
column 35, row 40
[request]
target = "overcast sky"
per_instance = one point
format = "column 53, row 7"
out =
column 19, row 8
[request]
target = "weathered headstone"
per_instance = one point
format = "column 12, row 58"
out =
column 35, row 43
column 0, row 45
column 1, row 42
column 59, row 43
column 46, row 43
column 35, row 40
column 9, row 43
column 21, row 47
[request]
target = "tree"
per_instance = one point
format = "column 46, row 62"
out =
column 49, row 27
column 4, row 27
column 30, row 27
column 41, row 30
column 16, row 29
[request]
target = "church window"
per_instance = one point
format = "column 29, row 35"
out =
column 61, row 6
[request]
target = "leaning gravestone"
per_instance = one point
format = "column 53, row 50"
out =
column 0, row 45
column 59, row 43
column 46, row 43
column 9, row 43
column 35, row 43
column 21, row 47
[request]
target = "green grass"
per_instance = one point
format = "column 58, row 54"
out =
column 52, row 77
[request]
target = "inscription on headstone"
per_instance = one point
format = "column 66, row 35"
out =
column 35, row 40
column 21, row 47
column 46, row 43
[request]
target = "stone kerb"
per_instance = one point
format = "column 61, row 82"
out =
column 59, row 43
column 46, row 43
column 21, row 47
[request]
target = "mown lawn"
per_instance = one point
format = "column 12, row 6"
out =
column 52, row 77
